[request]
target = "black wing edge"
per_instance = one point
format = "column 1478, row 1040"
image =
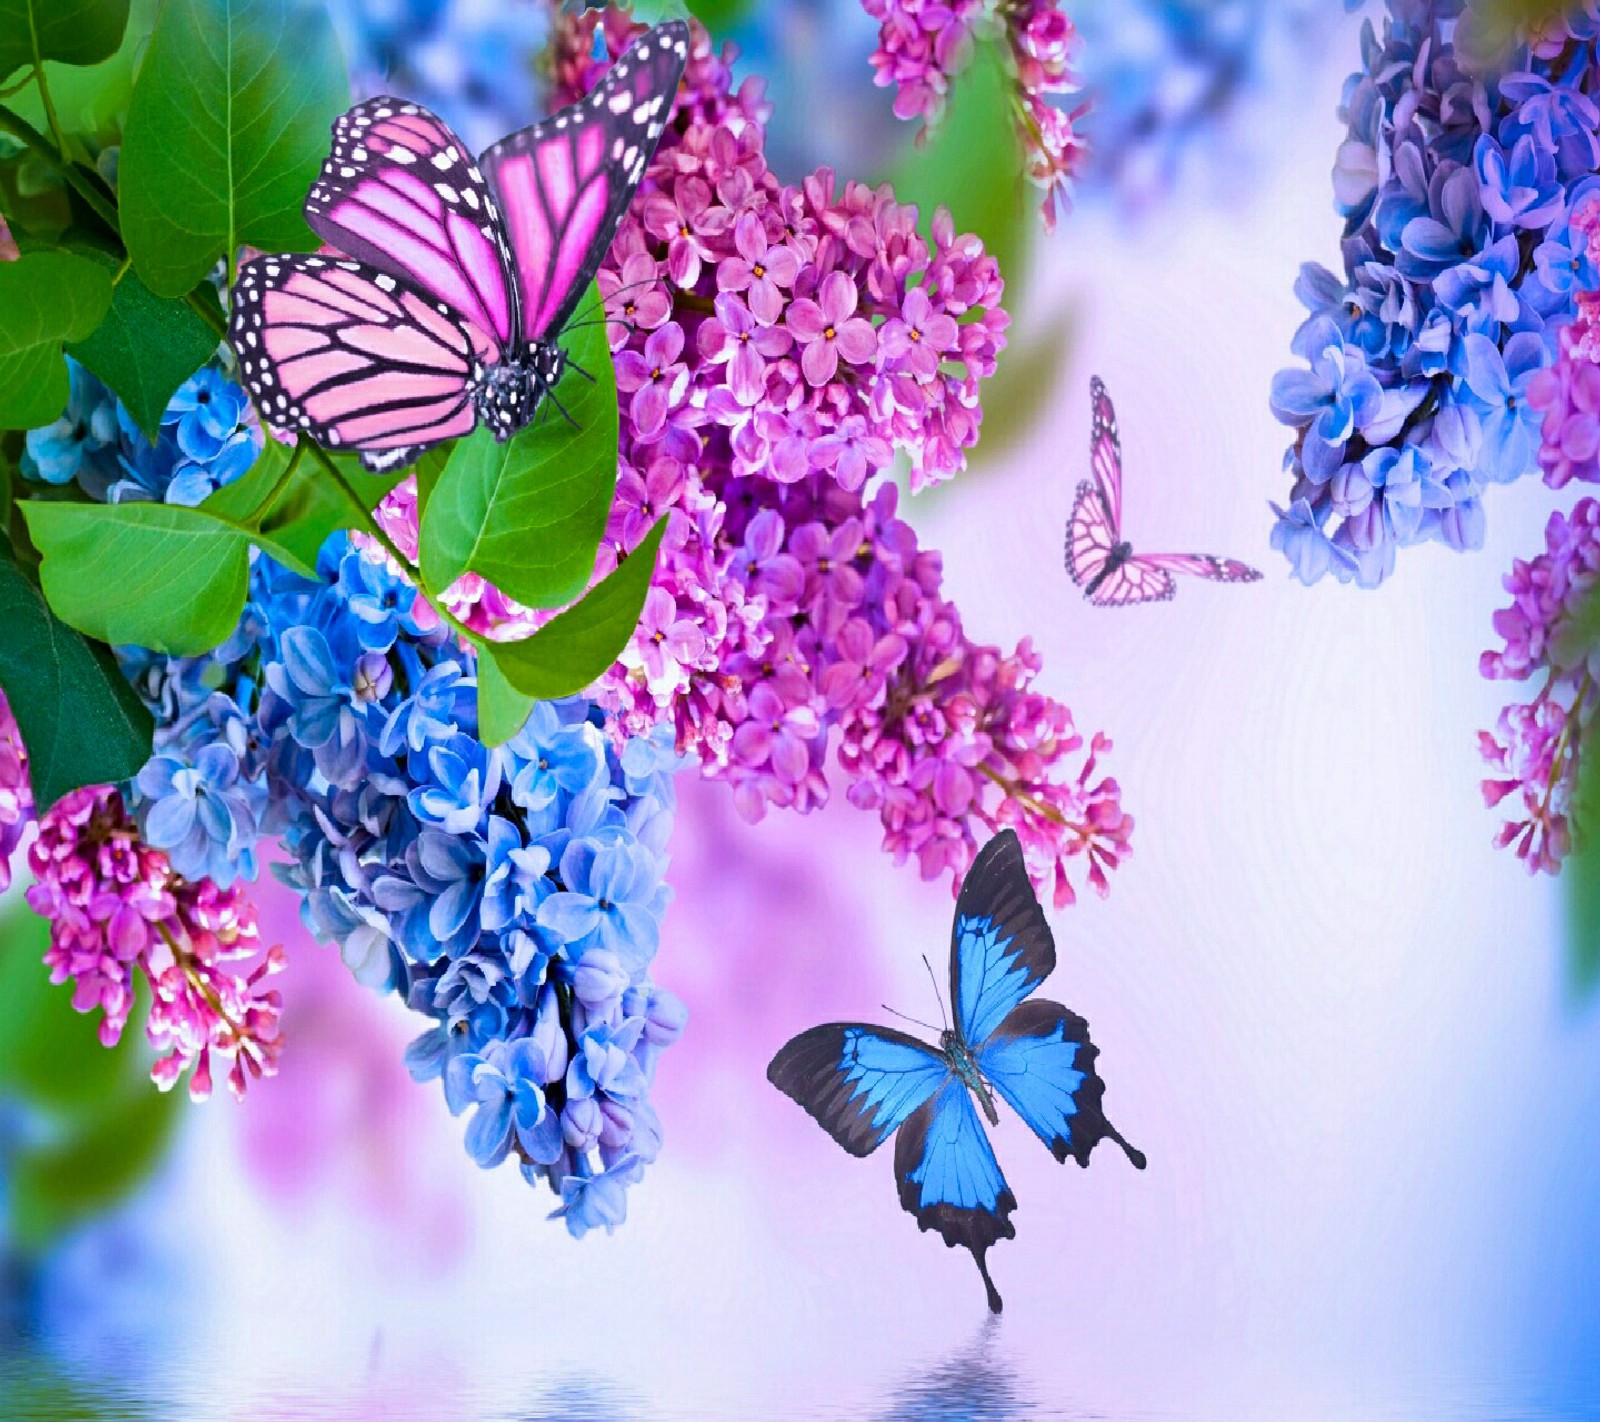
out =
column 808, row 1069
column 997, row 887
column 1040, row 1017
column 975, row 1230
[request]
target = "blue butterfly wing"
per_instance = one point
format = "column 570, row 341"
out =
column 1040, row 1059
column 859, row 1083
column 949, row 1179
column 1001, row 948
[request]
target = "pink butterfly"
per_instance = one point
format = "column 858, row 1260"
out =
column 457, row 278
column 1100, row 560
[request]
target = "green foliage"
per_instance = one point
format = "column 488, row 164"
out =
column 73, row 31
column 46, row 299
column 972, row 164
column 529, row 514
column 145, row 348
column 180, row 575
column 502, row 709
column 570, row 651
column 91, row 101
column 104, row 1126
column 1582, row 875
column 79, row 718
column 721, row 16
column 227, row 129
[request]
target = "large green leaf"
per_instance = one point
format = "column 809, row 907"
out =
column 80, row 719
column 972, row 164
column 73, row 31
column 502, row 709
column 528, row 514
column 145, row 348
column 1582, row 870
column 572, row 650
column 100, row 1124
column 46, row 299
column 155, row 575
column 228, row 126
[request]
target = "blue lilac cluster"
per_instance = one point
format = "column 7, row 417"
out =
column 1458, row 182
column 472, row 61
column 1168, row 82
column 208, row 437
column 512, row 896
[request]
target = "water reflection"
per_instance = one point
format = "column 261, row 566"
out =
column 977, row 1385
column 576, row 1400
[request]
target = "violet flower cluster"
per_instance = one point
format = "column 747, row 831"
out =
column 924, row 44
column 16, row 794
column 1550, row 638
column 1459, row 182
column 776, row 346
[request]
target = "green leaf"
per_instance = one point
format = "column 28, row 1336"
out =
column 972, row 164
column 227, row 129
column 570, row 651
column 146, row 347
column 721, row 16
column 502, row 709
column 79, row 718
column 92, row 100
column 528, row 514
column 155, row 575
column 46, row 299
column 73, row 31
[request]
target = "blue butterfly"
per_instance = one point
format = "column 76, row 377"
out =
column 862, row 1083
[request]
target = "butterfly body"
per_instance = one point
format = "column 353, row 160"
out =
column 1100, row 560
column 863, row 1084
column 443, row 304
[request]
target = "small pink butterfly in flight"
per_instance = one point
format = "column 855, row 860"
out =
column 1102, row 562
column 453, row 280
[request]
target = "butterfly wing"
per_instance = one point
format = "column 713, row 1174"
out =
column 859, row 1083
column 1105, row 453
column 1001, row 948
column 1200, row 565
column 949, row 1179
column 400, row 193
column 1040, row 1059
column 563, row 185
column 353, row 357
column 1090, row 537
column 1132, row 581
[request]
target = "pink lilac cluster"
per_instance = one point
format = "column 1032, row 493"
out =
column 924, row 44
column 118, row 911
column 776, row 346
column 1567, row 393
column 1548, row 635
column 16, row 796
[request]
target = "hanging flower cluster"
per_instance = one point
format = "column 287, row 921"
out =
column 1459, row 182
column 776, row 347
column 16, row 795
column 924, row 44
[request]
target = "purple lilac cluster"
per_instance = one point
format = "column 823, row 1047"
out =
column 16, row 795
column 775, row 347
column 118, row 913
column 1460, row 180
column 1549, row 638
column 924, row 44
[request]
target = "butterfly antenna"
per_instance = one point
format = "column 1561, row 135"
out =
column 915, row 1021
column 932, row 978
column 550, row 395
column 573, row 365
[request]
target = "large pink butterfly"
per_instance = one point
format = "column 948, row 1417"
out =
column 1102, row 562
column 457, row 278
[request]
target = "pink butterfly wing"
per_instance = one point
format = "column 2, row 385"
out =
column 1105, row 453
column 563, row 185
column 1132, row 582
column 1202, row 565
column 1090, row 537
column 353, row 357
column 399, row 193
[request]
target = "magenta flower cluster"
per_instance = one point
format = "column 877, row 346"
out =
column 776, row 347
column 117, row 911
column 1548, row 636
column 924, row 44
column 1567, row 393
